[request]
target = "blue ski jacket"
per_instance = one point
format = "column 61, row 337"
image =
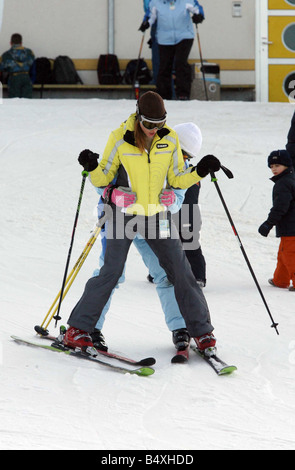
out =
column 174, row 23
column 17, row 60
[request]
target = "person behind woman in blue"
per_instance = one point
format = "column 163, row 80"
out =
column 190, row 139
column 188, row 219
column 175, row 37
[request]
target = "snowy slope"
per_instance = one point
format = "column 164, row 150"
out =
column 50, row 401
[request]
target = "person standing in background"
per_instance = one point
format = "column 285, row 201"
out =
column 175, row 37
column 16, row 62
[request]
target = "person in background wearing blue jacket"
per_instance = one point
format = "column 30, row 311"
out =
column 190, row 139
column 17, row 62
column 175, row 37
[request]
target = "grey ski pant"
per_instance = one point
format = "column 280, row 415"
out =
column 172, row 258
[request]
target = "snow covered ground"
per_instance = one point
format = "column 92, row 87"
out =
column 50, row 401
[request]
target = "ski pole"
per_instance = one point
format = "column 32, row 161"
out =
column 135, row 81
column 214, row 180
column 202, row 63
column 84, row 176
column 42, row 329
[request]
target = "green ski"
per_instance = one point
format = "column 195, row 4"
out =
column 219, row 366
column 141, row 371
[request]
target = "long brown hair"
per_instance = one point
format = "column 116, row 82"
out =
column 139, row 136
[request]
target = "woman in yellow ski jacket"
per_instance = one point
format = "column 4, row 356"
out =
column 146, row 173
column 145, row 156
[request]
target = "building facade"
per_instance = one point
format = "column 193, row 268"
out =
column 253, row 41
column 93, row 27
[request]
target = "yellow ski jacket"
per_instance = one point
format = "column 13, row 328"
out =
column 145, row 173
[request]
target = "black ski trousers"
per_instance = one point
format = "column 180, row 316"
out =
column 172, row 258
column 175, row 59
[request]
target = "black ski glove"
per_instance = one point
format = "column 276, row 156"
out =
column 88, row 160
column 206, row 165
column 265, row 228
column 144, row 26
column 198, row 18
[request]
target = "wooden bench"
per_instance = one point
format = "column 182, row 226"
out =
column 91, row 65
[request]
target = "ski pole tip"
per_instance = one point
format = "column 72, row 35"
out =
column 41, row 331
column 275, row 325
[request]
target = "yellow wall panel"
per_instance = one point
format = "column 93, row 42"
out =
column 278, row 75
column 281, row 4
column 276, row 27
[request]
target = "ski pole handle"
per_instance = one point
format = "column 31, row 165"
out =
column 225, row 170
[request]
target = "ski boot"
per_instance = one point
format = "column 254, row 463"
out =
column 206, row 344
column 150, row 278
column 79, row 339
column 181, row 339
column 98, row 340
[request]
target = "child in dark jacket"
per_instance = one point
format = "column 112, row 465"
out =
column 282, row 215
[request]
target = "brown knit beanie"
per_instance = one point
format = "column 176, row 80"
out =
column 151, row 105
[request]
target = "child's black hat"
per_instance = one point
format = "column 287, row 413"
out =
column 279, row 157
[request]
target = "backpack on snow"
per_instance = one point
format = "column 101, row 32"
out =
column 140, row 68
column 108, row 70
column 64, row 71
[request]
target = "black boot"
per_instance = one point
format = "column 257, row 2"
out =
column 98, row 340
column 181, row 339
column 150, row 278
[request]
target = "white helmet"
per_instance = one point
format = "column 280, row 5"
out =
column 190, row 138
